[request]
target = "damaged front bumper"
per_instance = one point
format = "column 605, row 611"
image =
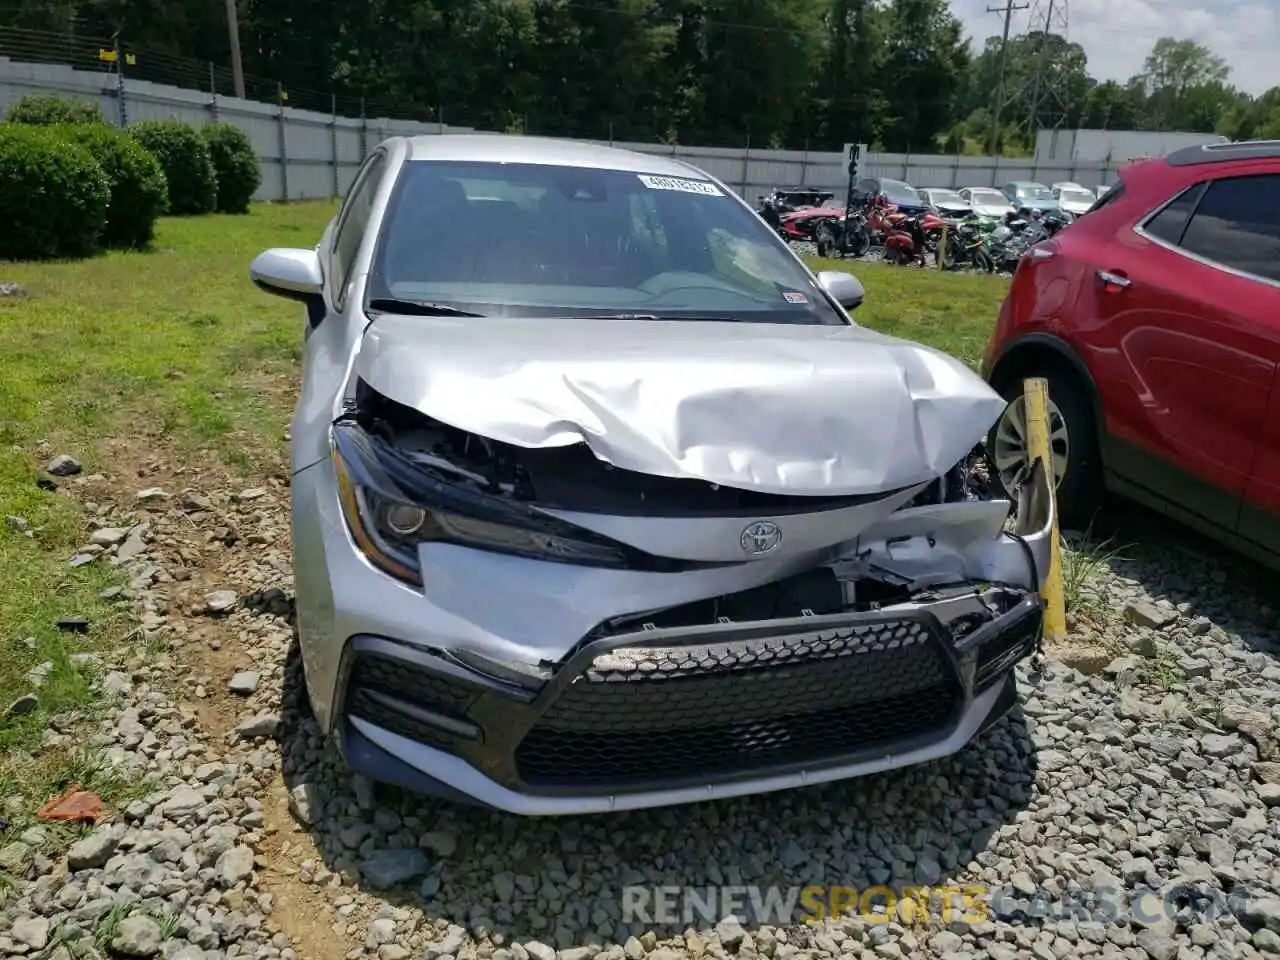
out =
column 540, row 688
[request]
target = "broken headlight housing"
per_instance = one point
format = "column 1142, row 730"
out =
column 393, row 504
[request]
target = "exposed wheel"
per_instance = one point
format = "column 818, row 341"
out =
column 982, row 261
column 859, row 243
column 826, row 241
column 1073, row 441
column 931, row 240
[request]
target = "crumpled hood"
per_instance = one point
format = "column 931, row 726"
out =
column 788, row 409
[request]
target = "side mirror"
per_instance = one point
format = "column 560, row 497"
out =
column 294, row 274
column 844, row 288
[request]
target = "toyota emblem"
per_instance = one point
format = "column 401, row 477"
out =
column 761, row 537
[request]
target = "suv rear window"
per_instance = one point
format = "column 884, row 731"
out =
column 1168, row 225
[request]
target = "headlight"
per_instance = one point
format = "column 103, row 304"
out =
column 392, row 505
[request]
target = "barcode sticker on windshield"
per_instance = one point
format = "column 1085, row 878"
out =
column 684, row 186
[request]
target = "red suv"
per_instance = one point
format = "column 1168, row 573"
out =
column 1155, row 318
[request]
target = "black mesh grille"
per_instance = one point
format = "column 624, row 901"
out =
column 366, row 707
column 686, row 712
column 408, row 681
column 998, row 656
column 402, row 680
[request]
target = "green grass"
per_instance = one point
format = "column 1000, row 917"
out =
column 951, row 311
column 175, row 343
column 176, row 347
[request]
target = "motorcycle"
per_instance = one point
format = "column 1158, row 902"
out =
column 845, row 236
column 966, row 245
column 906, row 242
column 882, row 216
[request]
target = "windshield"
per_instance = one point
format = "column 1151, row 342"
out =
column 989, row 196
column 948, row 197
column 1034, row 191
column 1076, row 196
column 899, row 190
column 513, row 239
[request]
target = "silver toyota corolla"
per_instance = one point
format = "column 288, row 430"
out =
column 602, row 501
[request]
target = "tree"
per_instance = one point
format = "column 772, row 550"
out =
column 1173, row 69
column 926, row 57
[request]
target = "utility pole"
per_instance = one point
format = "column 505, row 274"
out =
column 233, row 32
column 1008, row 10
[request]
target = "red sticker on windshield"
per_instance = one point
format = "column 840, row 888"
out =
column 792, row 297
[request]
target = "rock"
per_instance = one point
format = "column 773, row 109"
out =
column 539, row 951
column 453, row 942
column 150, row 495
column 1158, row 946
column 63, row 465
column 729, row 932
column 1148, row 615
column 1089, row 660
column 384, row 869
column 1266, row 941
column 1220, row 745
column 93, row 851
column 137, row 936
column 182, row 802
column 1267, row 772
column 441, row 843
column 31, row 932
column 306, row 803
column 194, row 502
column 108, row 536
column 37, row 675
column 253, row 493
column 946, row 942
column 259, row 725
column 234, row 865
column 27, row 703
column 135, row 544
column 1143, row 644
column 1269, row 794
column 17, row 524
column 221, row 601
column 14, row 857
column 244, row 683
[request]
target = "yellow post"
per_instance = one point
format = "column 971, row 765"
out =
column 1035, row 393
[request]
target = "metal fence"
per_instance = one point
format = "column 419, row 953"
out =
column 309, row 154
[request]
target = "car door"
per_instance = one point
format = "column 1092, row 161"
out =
column 328, row 348
column 1174, row 330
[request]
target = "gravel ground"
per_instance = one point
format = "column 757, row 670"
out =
column 1155, row 769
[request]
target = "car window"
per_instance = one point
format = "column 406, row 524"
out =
column 1168, row 225
column 529, row 240
column 352, row 222
column 1237, row 224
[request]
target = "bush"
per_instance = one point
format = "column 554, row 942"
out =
column 53, row 195
column 139, row 192
column 41, row 110
column 188, row 166
column 236, row 164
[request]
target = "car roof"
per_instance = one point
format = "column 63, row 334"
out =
column 509, row 148
column 987, row 189
column 1224, row 152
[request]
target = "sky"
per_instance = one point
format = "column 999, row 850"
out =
column 1117, row 36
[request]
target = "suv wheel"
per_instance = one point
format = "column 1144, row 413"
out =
column 1073, row 441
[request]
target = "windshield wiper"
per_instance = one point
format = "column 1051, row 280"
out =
column 418, row 308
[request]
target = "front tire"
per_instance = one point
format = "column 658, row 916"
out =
column 1073, row 440
column 825, row 239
